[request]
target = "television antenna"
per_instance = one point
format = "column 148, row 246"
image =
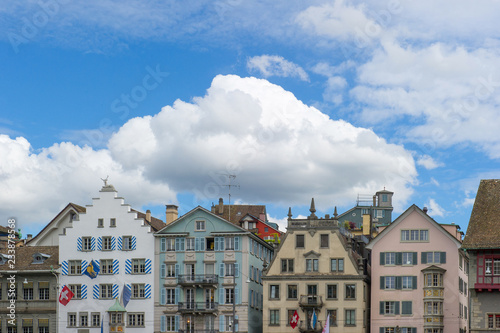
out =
column 230, row 179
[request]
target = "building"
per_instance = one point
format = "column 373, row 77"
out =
column 34, row 289
column 419, row 276
column 209, row 275
column 4, row 236
column 318, row 270
column 482, row 243
column 116, row 244
column 379, row 208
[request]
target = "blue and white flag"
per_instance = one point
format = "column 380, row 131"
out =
column 314, row 318
column 92, row 270
column 126, row 294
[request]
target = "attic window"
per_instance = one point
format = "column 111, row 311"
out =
column 39, row 258
column 239, row 213
column 3, row 258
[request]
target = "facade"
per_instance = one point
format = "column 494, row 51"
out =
column 482, row 243
column 35, row 286
column 209, row 275
column 419, row 276
column 110, row 237
column 267, row 231
column 317, row 270
column 379, row 207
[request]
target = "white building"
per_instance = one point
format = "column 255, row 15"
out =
column 120, row 241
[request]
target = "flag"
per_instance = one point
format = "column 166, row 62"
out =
column 294, row 320
column 102, row 326
column 314, row 318
column 326, row 327
column 92, row 270
column 126, row 294
column 65, row 296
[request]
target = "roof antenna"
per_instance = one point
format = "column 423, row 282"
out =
column 230, row 178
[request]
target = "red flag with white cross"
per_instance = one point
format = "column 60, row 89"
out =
column 65, row 296
column 294, row 320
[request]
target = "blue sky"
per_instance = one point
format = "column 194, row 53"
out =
column 323, row 99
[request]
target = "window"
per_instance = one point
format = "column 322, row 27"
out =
column 350, row 291
column 112, row 222
column 100, row 223
column 28, row 291
column 274, row 291
column 107, row 243
column 290, row 313
column 106, row 291
column 229, row 323
column 229, row 269
column 433, row 257
column 333, row 317
column 43, row 290
column 84, row 319
column 170, row 295
column 337, row 265
column 331, row 291
column 414, row 235
column 86, row 243
column 200, row 226
column 170, row 323
column 106, row 266
column 135, row 319
column 138, row 266
column 286, row 265
column 170, row 270
column 76, row 289
column 71, row 319
column 390, row 258
column 311, row 265
column 350, row 317
column 138, row 290
column 384, row 197
column 409, row 258
column 170, row 244
column 75, row 267
column 433, row 308
column 127, row 243
column 324, row 240
column 379, row 213
column 274, row 317
column 433, row 280
column 95, row 319
column 229, row 295
column 496, row 267
column 389, row 308
column 229, row 243
column 299, row 241
column 189, row 244
column 389, row 282
column 116, row 318
column 292, row 291
column 407, row 282
column 494, row 320
column 43, row 325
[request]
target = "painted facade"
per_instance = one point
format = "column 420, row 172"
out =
column 316, row 271
column 111, row 235
column 419, row 277
column 209, row 275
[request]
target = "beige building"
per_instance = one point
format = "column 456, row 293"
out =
column 318, row 269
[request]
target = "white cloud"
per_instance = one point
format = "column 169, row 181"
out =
column 273, row 65
column 334, row 90
column 428, row 162
column 434, row 208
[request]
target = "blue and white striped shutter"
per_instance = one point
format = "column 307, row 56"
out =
column 147, row 291
column 197, row 244
column 64, row 268
column 148, row 266
column 236, row 269
column 84, row 291
column 176, row 300
column 237, row 243
column 177, row 270
column 221, row 296
column 128, row 266
column 236, row 295
column 202, row 244
column 134, row 241
column 98, row 263
column 92, row 243
column 222, row 327
column 163, row 324
column 113, row 243
column 116, row 290
column 221, row 269
column 95, row 291
column 84, row 266
column 177, row 323
column 116, row 266
column 99, row 243
column 163, row 296
column 216, row 244
column 163, row 246
column 120, row 243
column 163, row 270
column 236, row 323
column 79, row 243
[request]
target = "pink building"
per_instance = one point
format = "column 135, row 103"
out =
column 419, row 277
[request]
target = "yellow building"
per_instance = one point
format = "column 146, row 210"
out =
column 318, row 270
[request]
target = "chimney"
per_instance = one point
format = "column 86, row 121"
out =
column 425, row 210
column 172, row 213
column 221, row 206
column 29, row 237
column 148, row 215
column 374, row 200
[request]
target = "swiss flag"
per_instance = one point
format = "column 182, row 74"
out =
column 65, row 296
column 294, row 320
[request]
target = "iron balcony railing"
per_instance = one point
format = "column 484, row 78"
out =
column 198, row 331
column 311, row 301
column 306, row 327
column 198, row 279
column 197, row 307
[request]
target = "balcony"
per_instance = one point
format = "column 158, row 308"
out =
column 310, row 301
column 201, row 280
column 488, row 282
column 197, row 307
column 305, row 327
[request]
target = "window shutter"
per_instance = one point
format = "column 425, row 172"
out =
column 396, row 308
column 237, row 295
column 147, row 291
column 382, row 306
column 163, row 326
column 414, row 282
column 236, row 323
column 133, row 243
column 176, row 300
column 177, row 244
column 406, row 307
column 163, row 247
column 382, row 282
column 221, row 324
column 120, row 242
column 202, row 244
column 177, row 323
column 382, row 258
column 84, row 266
column 163, row 270
column 116, row 290
column 221, row 296
column 216, row 244
column 221, row 245
column 236, row 270
column 237, row 243
column 423, row 257
column 79, row 243
column 415, row 258
column 99, row 243
column 84, row 291
column 399, row 258
column 113, row 243
column 413, row 330
column 443, row 257
column 163, row 297
column 221, row 269
column 381, row 330
column 128, row 266
column 148, row 266
column 95, row 291
column 399, row 281
column 177, row 270
column 64, row 268
column 92, row 243
column 197, row 244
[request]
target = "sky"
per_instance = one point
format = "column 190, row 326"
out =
column 295, row 99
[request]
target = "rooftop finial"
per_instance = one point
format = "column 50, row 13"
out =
column 335, row 212
column 289, row 213
column 105, row 180
column 313, row 208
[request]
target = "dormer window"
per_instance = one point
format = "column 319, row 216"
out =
column 39, row 258
column 3, row 258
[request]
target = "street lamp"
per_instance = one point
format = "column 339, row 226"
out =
column 55, row 272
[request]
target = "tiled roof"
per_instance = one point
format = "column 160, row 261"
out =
column 24, row 258
column 239, row 211
column 484, row 225
column 155, row 223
